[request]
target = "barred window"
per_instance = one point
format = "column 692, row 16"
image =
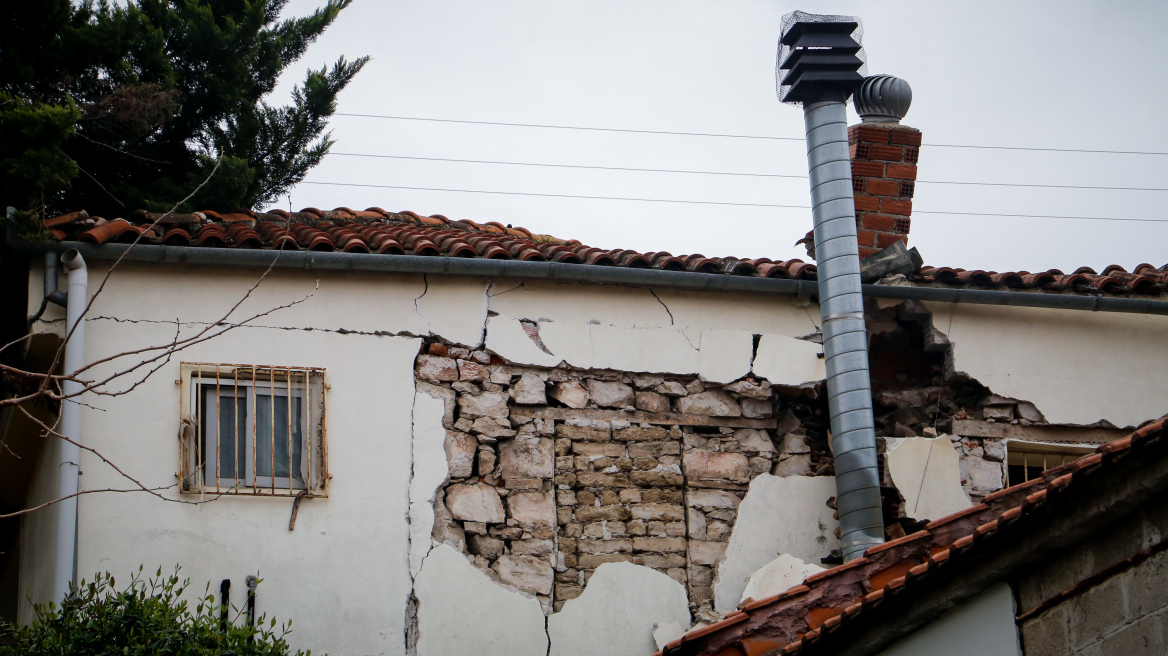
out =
column 253, row 430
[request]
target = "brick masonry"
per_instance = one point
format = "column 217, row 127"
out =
column 884, row 170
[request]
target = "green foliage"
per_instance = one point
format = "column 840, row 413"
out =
column 146, row 617
column 31, row 160
column 165, row 88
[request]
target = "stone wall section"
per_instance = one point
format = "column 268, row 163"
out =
column 555, row 471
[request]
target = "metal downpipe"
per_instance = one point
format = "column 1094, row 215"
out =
column 68, row 469
column 845, row 337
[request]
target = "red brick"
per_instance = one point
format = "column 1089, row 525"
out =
column 883, row 187
column 892, row 206
column 867, row 204
column 884, row 240
column 439, row 349
column 865, row 252
column 865, row 237
column 905, row 137
column 868, row 169
column 887, row 153
column 868, row 134
column 878, row 222
column 901, row 171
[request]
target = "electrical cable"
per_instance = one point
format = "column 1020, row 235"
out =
column 730, row 173
column 732, row 136
column 711, row 202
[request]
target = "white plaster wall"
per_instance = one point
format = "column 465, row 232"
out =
column 1076, row 367
column 982, row 626
column 343, row 574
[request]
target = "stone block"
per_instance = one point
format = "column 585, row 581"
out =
column 491, row 428
column 529, row 390
column 755, row 408
column 610, row 394
column 571, row 393
column 793, row 465
column 704, row 552
column 592, row 561
column 1029, row 412
column 487, row 404
column 437, row 369
column 604, row 530
column 601, row 513
column 653, row 449
column 527, row 573
column 487, row 459
column 475, row 503
column 694, row 386
column 527, row 458
column 981, row 476
column 640, row 434
column 671, row 388
column 697, row 523
column 715, row 403
column 599, row 449
column 630, row 496
column 753, row 440
column 583, row 433
column 473, row 371
column 713, row 466
column 485, row 546
column 660, row 511
column 656, row 478
column 532, row 509
column 647, row 381
column 598, row 547
column 660, row 560
column 597, row 479
column 675, row 545
column 533, row 547
column 750, row 388
column 460, row 453
column 651, row 402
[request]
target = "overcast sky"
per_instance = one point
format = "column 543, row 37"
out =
column 1051, row 74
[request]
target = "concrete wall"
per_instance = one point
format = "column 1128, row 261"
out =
column 1125, row 614
column 982, row 626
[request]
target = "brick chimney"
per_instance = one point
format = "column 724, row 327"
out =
column 884, row 173
column 884, row 163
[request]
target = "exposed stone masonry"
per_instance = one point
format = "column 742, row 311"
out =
column 554, row 471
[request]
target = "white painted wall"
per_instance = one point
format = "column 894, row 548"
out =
column 343, row 574
column 1076, row 367
column 982, row 626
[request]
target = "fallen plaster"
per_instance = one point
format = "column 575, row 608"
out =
column 618, row 613
column 779, row 515
column 779, row 575
column 462, row 611
column 428, row 471
column 788, row 361
column 927, row 473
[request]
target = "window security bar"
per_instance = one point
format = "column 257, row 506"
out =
column 253, row 430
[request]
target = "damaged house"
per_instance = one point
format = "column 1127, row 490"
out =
column 432, row 436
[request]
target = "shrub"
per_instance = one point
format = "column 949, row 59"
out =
column 147, row 617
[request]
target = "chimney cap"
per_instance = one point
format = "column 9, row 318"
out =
column 882, row 99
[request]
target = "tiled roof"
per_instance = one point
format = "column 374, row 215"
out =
column 379, row 232
column 793, row 621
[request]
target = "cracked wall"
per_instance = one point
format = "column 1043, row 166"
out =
column 366, row 330
column 555, row 472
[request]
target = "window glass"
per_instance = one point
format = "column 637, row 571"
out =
column 272, row 419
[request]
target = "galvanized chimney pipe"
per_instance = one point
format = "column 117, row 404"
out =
column 845, row 338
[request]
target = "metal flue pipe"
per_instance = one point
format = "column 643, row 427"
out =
column 845, row 337
column 820, row 64
column 68, row 469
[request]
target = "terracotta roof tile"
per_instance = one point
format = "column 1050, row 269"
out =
column 376, row 231
column 832, row 598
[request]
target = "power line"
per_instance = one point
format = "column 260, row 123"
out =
column 730, row 173
column 714, row 202
column 732, row 136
